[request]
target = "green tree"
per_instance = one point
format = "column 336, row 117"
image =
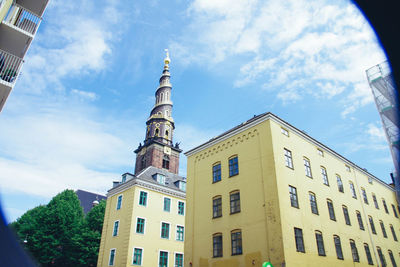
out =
column 58, row 234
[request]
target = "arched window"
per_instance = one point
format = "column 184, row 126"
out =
column 217, row 245
column 166, row 96
column 236, row 242
column 320, row 243
column 313, row 203
column 166, row 133
column 162, row 97
column 165, row 162
column 234, row 197
column 157, row 131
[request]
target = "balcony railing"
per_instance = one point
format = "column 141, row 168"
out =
column 9, row 66
column 23, row 19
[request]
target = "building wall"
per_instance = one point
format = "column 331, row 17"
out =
column 303, row 217
column 267, row 219
column 127, row 238
column 154, row 155
column 4, row 7
column 259, row 218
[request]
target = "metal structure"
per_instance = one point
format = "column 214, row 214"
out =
column 385, row 94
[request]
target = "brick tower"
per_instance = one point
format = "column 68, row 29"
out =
column 158, row 149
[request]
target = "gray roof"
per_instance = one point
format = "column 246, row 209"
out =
column 171, row 178
column 86, row 199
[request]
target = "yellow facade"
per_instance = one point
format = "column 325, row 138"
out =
column 150, row 241
column 267, row 219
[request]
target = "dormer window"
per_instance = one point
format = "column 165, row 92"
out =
column 160, row 178
column 181, row 185
column 123, row 178
column 165, row 162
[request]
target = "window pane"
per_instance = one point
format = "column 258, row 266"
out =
column 298, row 235
column 293, row 197
column 236, row 238
column 354, row 251
column 119, row 202
column 313, row 203
column 331, row 211
column 320, row 244
column 181, row 208
column 368, row 253
column 143, row 198
column 338, row 247
column 346, row 215
column 233, row 166
column 216, row 173
column 307, row 167
column 140, row 226
column 137, row 256
column 178, row 260
column 167, row 204
column 163, row 261
column 217, row 246
column 235, row 202
column 115, row 232
column 360, row 222
column 217, row 207
column 112, row 256
column 165, row 230
column 288, row 158
column 371, row 223
column 324, row 176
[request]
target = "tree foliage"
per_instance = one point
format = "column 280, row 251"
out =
column 58, row 234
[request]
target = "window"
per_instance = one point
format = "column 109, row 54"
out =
column 383, row 229
column 347, row 168
column 324, row 176
column 394, row 211
column 354, row 251
column 353, row 190
column 320, row 243
column 392, row 258
column 165, row 230
column 384, row 206
column 236, row 240
column 320, row 152
column 235, row 202
column 364, row 195
column 140, row 225
column 143, row 198
column 293, row 197
column 217, row 245
column 288, row 159
column 163, row 261
column 393, row 232
column 307, row 167
column 313, row 203
column 165, row 162
column 217, row 207
column 137, row 256
column 368, row 253
column 346, row 215
column 284, row 132
column 371, row 223
column 216, row 169
column 339, row 183
column 381, row 257
column 160, row 178
column 178, row 260
column 180, row 233
column 112, row 257
column 233, row 166
column 331, row 210
column 115, row 231
column 181, row 208
column 143, row 162
column 119, row 202
column 375, row 201
column 338, row 247
column 167, row 204
column 298, row 236
column 360, row 222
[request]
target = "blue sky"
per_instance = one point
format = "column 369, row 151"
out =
column 87, row 86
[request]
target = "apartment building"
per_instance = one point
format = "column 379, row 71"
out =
column 20, row 20
column 266, row 191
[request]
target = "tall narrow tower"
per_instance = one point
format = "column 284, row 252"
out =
column 158, row 149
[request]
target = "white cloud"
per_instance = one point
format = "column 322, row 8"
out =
column 298, row 47
column 376, row 132
column 85, row 95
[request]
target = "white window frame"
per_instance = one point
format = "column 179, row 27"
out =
column 120, row 206
column 133, row 255
column 109, row 257
column 114, row 228
column 144, row 227
column 169, row 230
column 170, row 204
column 176, row 232
column 184, row 208
column 147, row 198
column 159, row 254
column 183, row 257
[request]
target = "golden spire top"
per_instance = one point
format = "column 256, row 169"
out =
column 167, row 60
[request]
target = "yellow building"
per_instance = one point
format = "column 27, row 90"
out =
column 266, row 191
column 19, row 22
column 144, row 221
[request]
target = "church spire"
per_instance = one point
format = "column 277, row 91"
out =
column 160, row 127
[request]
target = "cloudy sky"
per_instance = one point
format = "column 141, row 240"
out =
column 80, row 105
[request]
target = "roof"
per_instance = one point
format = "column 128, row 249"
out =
column 86, row 199
column 171, row 178
column 266, row 116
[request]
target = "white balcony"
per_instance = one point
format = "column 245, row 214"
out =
column 35, row 6
column 10, row 66
column 22, row 19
